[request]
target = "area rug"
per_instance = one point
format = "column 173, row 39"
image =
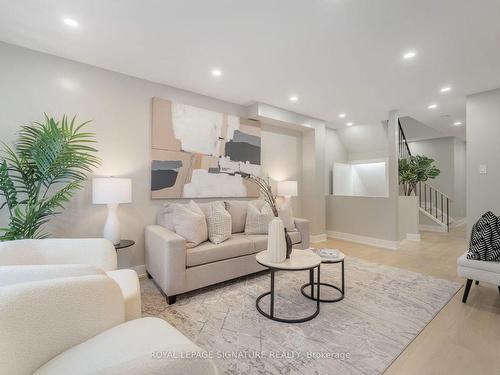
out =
column 384, row 309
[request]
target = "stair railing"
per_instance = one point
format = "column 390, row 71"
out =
column 441, row 209
column 435, row 203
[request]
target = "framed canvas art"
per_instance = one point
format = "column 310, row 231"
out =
column 198, row 153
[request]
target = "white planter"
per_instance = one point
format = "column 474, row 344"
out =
column 408, row 218
column 276, row 243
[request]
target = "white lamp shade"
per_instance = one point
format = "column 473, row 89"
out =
column 287, row 188
column 109, row 190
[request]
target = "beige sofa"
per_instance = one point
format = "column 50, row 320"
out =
column 177, row 269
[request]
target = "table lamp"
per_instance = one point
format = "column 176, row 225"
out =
column 287, row 189
column 112, row 191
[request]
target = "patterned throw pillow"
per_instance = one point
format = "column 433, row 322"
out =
column 258, row 220
column 485, row 239
column 218, row 222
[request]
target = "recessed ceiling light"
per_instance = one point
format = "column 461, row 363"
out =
column 445, row 89
column 342, row 115
column 70, row 22
column 216, row 72
column 294, row 98
column 409, row 55
column 457, row 123
column 349, row 124
column 432, row 106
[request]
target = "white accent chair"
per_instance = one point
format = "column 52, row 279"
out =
column 77, row 326
column 478, row 270
column 97, row 252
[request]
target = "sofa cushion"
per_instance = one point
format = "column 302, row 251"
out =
column 207, row 252
column 295, row 237
column 478, row 264
column 238, row 212
column 260, row 240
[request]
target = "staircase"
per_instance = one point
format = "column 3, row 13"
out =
column 433, row 203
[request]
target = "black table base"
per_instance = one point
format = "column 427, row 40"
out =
column 271, row 315
column 316, row 298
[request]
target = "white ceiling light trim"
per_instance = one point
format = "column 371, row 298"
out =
column 294, row 98
column 70, row 22
column 216, row 72
column 445, row 89
column 409, row 55
column 457, row 123
column 432, row 106
column 349, row 124
column 342, row 115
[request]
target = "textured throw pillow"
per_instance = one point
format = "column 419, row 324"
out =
column 218, row 222
column 286, row 215
column 188, row 221
column 258, row 220
column 238, row 212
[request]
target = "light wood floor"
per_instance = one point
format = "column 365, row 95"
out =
column 462, row 338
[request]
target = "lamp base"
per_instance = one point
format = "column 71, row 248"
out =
column 112, row 226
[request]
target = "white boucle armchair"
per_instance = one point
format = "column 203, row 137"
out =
column 77, row 326
column 96, row 252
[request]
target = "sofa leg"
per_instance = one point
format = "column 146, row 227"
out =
column 499, row 289
column 171, row 299
column 467, row 289
column 149, row 275
column 477, row 282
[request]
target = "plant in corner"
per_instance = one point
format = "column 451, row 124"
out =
column 415, row 169
column 47, row 164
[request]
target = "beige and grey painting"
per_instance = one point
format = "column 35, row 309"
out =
column 198, row 153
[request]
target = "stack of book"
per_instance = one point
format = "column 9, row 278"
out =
column 329, row 254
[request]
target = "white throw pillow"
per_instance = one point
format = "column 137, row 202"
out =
column 286, row 215
column 258, row 220
column 188, row 221
column 219, row 222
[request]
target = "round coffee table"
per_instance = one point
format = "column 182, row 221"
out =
column 311, row 280
column 300, row 260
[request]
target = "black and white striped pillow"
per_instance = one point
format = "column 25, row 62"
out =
column 485, row 239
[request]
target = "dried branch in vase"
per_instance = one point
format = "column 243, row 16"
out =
column 265, row 190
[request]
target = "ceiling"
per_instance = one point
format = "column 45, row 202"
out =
column 335, row 55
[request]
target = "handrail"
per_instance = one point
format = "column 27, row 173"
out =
column 439, row 191
column 440, row 198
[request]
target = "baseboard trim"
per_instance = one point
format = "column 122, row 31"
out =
column 318, row 237
column 372, row 241
column 459, row 222
column 141, row 270
column 413, row 236
column 431, row 228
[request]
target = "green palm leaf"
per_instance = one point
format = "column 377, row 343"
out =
column 48, row 163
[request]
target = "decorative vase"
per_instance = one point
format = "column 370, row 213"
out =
column 288, row 241
column 276, row 242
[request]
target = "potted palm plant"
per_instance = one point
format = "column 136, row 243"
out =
column 41, row 171
column 412, row 170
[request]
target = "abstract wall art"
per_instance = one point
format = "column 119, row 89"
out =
column 198, row 153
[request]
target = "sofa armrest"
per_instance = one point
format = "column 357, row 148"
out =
column 41, row 319
column 166, row 258
column 303, row 226
column 98, row 252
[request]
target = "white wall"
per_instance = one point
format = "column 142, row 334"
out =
column 483, row 134
column 32, row 83
column 460, row 179
column 282, row 158
column 334, row 152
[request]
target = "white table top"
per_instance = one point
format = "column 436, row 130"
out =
column 299, row 259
